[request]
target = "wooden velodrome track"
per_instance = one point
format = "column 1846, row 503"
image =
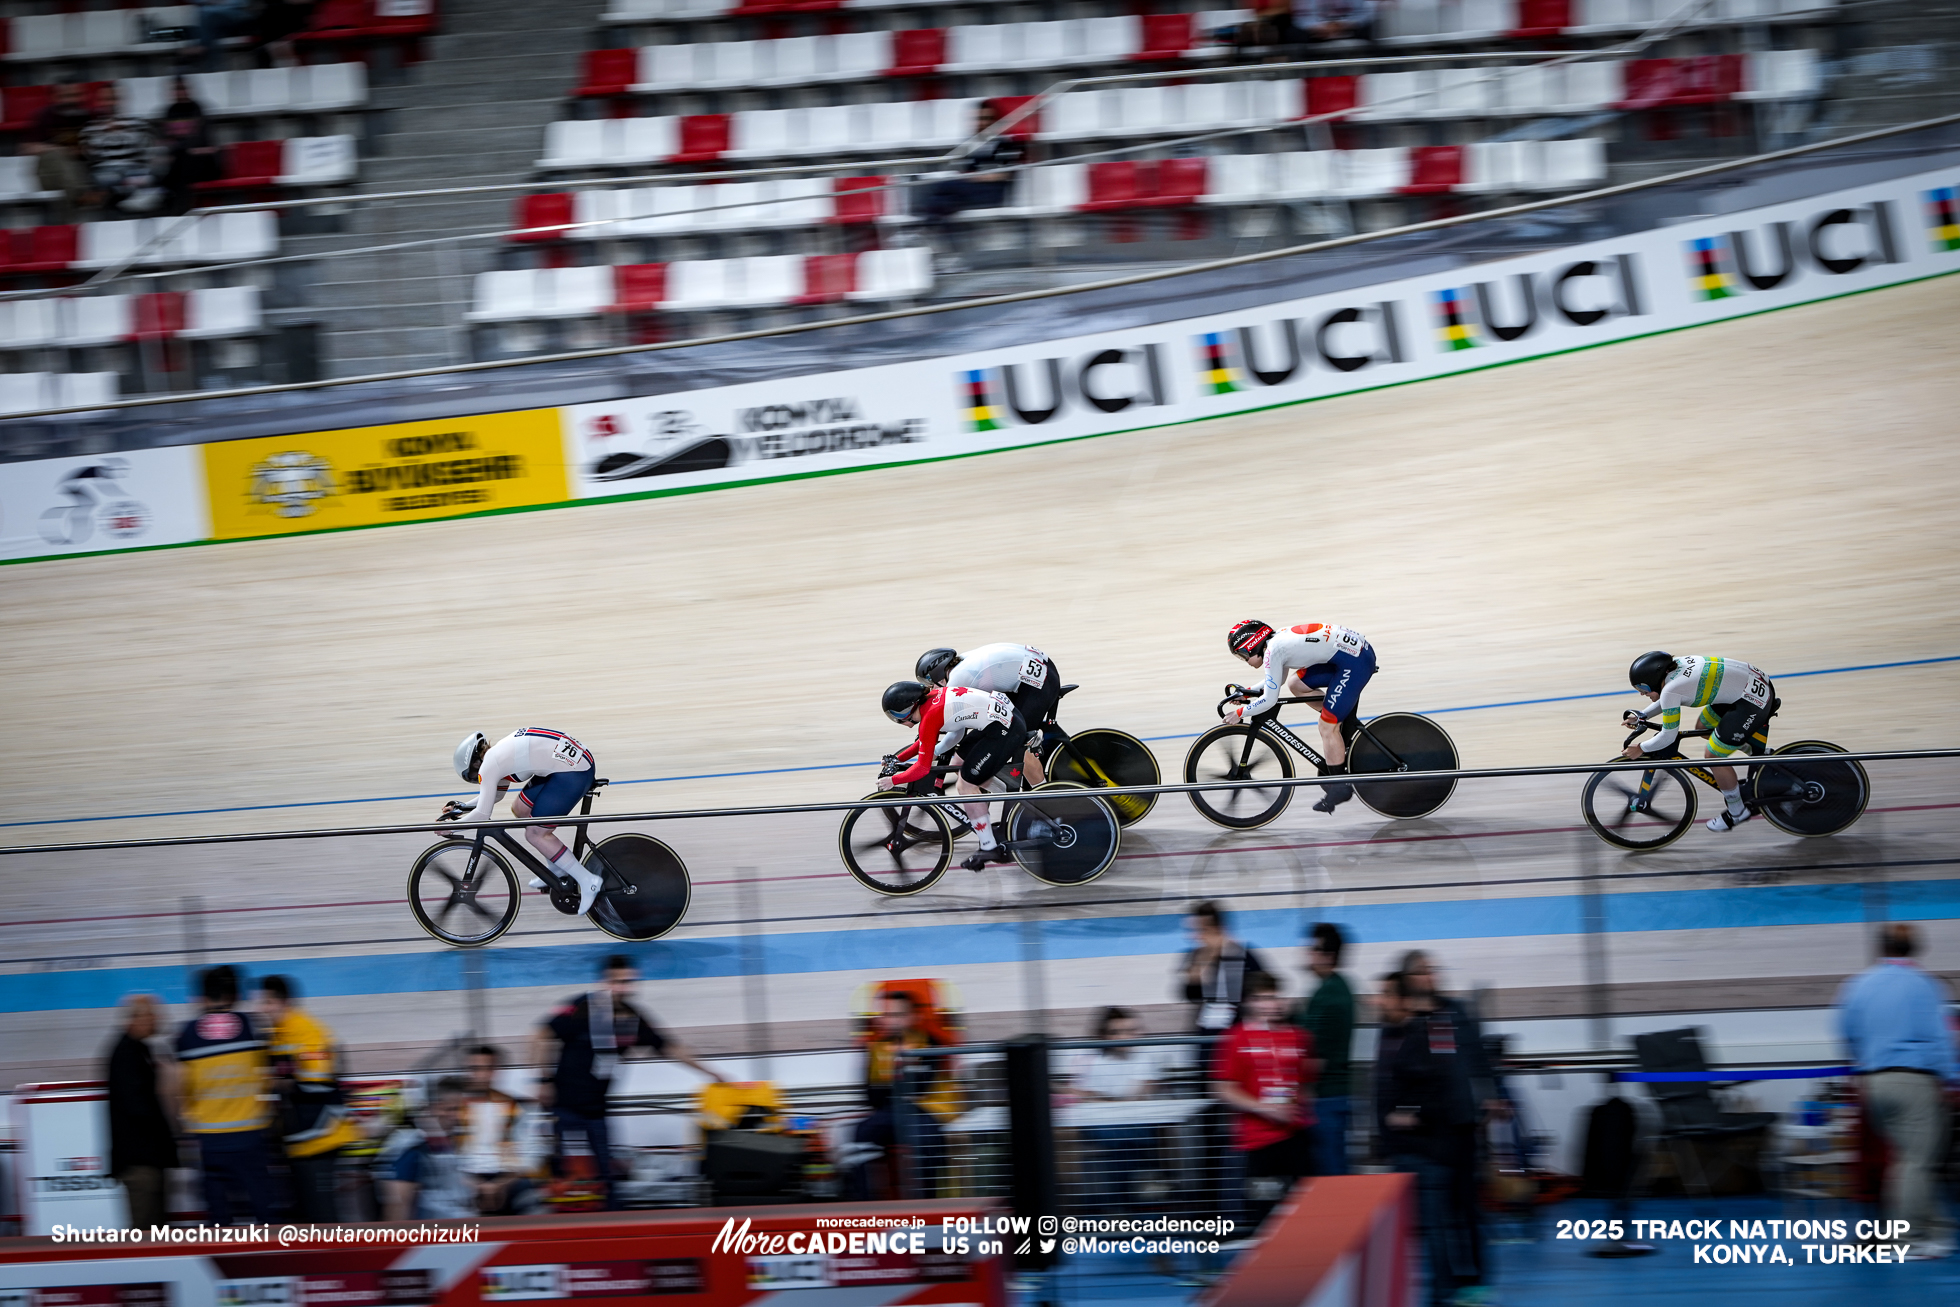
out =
column 1777, row 488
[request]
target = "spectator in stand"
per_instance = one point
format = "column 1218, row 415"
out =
column 1123, row 1153
column 226, row 1086
column 273, row 30
column 1263, row 1070
column 1295, row 24
column 55, row 140
column 498, row 1157
column 125, row 157
column 1427, row 1113
column 983, row 183
column 909, row 1098
column 425, row 1177
column 592, row 1033
column 1328, row 1015
column 1215, row 971
column 217, row 20
column 1892, row 1016
column 142, row 1092
column 193, row 158
column 316, row 1124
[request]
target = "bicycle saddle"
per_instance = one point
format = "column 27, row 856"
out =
column 597, row 785
column 1065, row 689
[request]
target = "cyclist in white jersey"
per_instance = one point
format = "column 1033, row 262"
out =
column 1318, row 656
column 1736, row 699
column 554, row 770
column 1022, row 672
column 984, row 727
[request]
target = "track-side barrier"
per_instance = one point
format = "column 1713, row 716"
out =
column 791, row 809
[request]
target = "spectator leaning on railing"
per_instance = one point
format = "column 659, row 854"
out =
column 142, row 1144
column 1328, row 1015
column 592, row 1033
column 226, row 1086
column 1264, row 1069
column 314, row 1121
column 1892, row 1016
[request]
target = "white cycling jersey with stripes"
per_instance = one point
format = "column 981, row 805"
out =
column 1297, row 649
column 1003, row 667
column 528, row 752
column 1700, row 681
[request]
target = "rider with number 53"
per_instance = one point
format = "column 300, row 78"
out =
column 1322, row 657
column 1736, row 701
column 555, row 771
column 983, row 725
column 1023, row 673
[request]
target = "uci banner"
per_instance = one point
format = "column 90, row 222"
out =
column 366, row 476
column 1698, row 272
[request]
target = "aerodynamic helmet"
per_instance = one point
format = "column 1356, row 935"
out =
column 935, row 665
column 1248, row 637
column 469, row 756
column 1649, row 670
column 901, row 697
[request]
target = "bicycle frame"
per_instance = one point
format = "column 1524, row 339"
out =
column 1702, row 774
column 581, row 844
column 1269, row 721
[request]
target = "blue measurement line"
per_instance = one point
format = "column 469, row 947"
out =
column 840, row 766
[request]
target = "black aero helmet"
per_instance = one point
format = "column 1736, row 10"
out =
column 901, row 697
column 1248, row 637
column 1649, row 670
column 935, row 665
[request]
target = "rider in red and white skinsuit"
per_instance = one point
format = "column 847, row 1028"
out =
column 988, row 732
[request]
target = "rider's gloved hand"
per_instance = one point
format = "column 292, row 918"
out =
column 1232, row 713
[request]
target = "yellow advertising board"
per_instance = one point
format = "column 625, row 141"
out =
column 403, row 472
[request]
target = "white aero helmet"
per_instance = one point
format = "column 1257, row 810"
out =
column 469, row 754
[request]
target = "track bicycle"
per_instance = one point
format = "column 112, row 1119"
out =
column 1100, row 758
column 1819, row 795
column 464, row 892
column 1257, row 750
column 1060, row 832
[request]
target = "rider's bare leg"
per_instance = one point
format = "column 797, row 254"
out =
column 1332, row 746
column 1031, row 768
column 976, row 813
column 548, row 845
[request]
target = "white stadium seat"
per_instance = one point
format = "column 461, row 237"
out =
column 1308, row 174
column 19, row 180
column 1782, row 75
column 28, row 324
column 318, row 161
column 219, row 311
column 893, row 274
column 1371, row 172
column 94, row 320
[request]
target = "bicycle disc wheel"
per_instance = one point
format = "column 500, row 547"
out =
column 458, row 903
column 1810, row 798
column 1103, row 757
column 1622, row 815
column 1420, row 745
column 892, row 853
column 660, row 890
column 1066, row 836
column 1220, row 754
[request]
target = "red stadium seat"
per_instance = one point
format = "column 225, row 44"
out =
column 337, row 19
column 1165, row 36
column 1434, row 169
column 1179, row 181
column 868, row 205
column 638, row 287
column 704, row 138
column 249, row 164
column 1542, row 18
column 1024, row 130
column 158, row 315
column 1650, row 83
column 46, row 249
column 608, row 72
column 355, row 20
column 22, row 105
column 1113, row 185
column 828, row 277
column 1710, row 78
column 1332, row 95
column 543, row 217
column 917, row 53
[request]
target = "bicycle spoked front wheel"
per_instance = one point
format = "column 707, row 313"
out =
column 897, row 850
column 1238, row 753
column 1103, row 757
column 647, row 888
column 1819, row 797
column 1063, row 834
column 463, row 895
column 1402, row 741
column 1639, row 809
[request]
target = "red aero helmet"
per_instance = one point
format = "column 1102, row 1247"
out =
column 1248, row 637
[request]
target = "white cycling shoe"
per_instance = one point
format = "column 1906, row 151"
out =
column 534, row 883
column 589, row 883
column 1726, row 820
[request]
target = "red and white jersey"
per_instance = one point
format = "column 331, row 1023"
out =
column 526, row 753
column 947, row 717
column 1297, row 649
column 1002, row 667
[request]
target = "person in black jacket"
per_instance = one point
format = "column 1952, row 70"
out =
column 983, row 182
column 1213, row 974
column 1427, row 1110
column 142, row 1144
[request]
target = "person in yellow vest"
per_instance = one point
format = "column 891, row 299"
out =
column 226, row 1095
column 315, row 1123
